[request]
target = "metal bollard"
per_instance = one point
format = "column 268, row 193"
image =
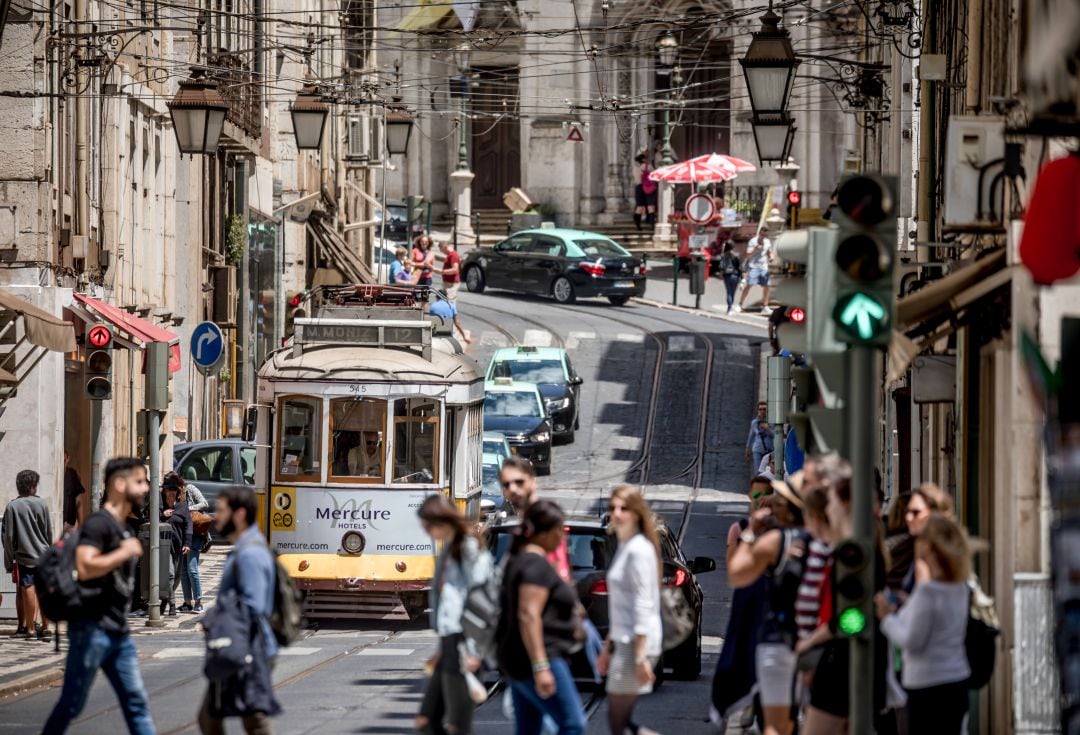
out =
column 675, row 280
column 698, row 269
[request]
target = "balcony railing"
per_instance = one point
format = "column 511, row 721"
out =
column 241, row 90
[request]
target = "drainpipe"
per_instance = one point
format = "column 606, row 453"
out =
column 974, row 55
column 925, row 222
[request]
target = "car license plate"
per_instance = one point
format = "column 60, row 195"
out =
column 624, row 284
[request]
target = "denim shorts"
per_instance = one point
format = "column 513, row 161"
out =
column 26, row 575
column 758, row 277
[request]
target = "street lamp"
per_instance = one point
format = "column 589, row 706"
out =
column 399, row 125
column 667, row 53
column 198, row 114
column 462, row 59
column 773, row 135
column 309, row 115
column 769, row 66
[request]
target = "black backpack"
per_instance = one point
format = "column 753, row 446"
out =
column 56, row 580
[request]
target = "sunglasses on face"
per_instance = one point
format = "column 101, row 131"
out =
column 516, row 482
column 760, row 493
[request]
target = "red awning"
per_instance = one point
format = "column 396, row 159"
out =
column 139, row 329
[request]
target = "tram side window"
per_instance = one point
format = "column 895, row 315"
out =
column 416, row 440
column 356, row 447
column 300, row 441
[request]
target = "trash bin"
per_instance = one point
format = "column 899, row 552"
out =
column 165, row 566
column 699, row 268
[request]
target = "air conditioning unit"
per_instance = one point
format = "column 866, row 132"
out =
column 359, row 148
column 224, row 294
column 974, row 159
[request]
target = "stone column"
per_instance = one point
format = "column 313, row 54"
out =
column 664, row 234
column 461, row 201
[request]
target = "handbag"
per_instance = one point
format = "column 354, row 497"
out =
column 201, row 523
column 980, row 640
column 676, row 617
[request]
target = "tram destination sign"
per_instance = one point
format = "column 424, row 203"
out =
column 364, row 332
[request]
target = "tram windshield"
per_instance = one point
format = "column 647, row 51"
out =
column 356, row 440
column 530, row 371
column 300, row 441
column 416, row 440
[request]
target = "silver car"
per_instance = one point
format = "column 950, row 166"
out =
column 215, row 464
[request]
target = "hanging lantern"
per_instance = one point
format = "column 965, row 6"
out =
column 198, row 114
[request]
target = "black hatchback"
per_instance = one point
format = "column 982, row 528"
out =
column 563, row 264
column 590, row 549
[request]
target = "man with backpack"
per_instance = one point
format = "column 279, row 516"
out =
column 249, row 586
column 104, row 562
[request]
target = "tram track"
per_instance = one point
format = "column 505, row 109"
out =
column 557, row 339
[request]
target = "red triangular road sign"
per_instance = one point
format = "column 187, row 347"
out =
column 575, row 136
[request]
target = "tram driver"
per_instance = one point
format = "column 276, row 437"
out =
column 364, row 459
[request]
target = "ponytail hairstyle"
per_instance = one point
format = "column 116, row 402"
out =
column 636, row 504
column 540, row 517
column 438, row 510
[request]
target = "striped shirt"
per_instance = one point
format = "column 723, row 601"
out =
column 808, row 600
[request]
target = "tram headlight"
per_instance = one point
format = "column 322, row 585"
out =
column 401, row 567
column 541, row 437
column 353, row 542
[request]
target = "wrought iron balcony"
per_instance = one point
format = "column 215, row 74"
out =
column 241, row 89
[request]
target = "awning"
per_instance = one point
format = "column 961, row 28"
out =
column 947, row 294
column 425, row 16
column 138, row 329
column 42, row 328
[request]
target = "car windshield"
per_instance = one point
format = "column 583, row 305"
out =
column 588, row 549
column 493, row 446
column 519, row 403
column 530, row 371
column 601, row 248
column 491, row 478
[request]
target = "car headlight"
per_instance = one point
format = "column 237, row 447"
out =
column 558, row 404
column 540, row 437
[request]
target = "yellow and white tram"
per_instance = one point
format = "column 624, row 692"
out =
column 370, row 409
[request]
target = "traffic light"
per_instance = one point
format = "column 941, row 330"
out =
column 809, row 329
column 865, row 260
column 817, row 415
column 793, row 291
column 294, row 309
column 97, row 370
column 852, row 585
column 793, row 200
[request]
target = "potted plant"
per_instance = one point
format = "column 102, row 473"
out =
column 525, row 220
column 235, row 240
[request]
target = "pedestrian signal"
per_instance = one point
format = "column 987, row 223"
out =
column 851, row 588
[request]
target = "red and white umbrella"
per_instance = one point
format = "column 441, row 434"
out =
column 694, row 171
column 719, row 160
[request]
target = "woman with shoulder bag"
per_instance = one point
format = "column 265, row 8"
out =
column 731, row 271
column 462, row 564
column 634, row 638
column 175, row 512
column 539, row 627
column 190, row 580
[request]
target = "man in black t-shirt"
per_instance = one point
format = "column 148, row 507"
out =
column 105, row 561
column 73, row 490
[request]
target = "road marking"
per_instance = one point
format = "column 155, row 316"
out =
column 188, row 652
column 386, row 652
column 624, row 337
column 495, row 339
column 574, row 339
column 681, row 343
column 537, row 338
column 297, row 651
column 712, row 642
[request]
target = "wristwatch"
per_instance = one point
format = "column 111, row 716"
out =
column 748, row 536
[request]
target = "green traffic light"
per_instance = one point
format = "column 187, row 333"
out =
column 852, row 621
column 861, row 315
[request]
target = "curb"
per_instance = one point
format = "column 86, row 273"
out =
column 31, row 681
column 698, row 312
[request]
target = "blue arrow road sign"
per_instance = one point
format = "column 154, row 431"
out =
column 207, row 345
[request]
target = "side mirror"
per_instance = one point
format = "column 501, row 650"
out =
column 702, row 564
column 251, row 423
column 577, row 380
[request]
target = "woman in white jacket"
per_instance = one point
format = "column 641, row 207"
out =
column 633, row 581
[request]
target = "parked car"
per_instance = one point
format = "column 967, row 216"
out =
column 215, row 464
column 517, row 410
column 564, row 264
column 549, row 368
column 591, row 548
column 495, row 443
column 493, row 504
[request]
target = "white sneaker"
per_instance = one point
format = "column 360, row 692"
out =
column 737, row 309
column 766, row 310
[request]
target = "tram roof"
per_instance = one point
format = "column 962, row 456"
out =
column 349, row 363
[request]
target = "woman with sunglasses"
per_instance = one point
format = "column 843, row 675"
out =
column 539, row 627
column 633, row 579
column 461, row 565
column 925, row 500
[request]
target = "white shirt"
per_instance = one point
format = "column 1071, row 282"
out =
column 760, row 261
column 634, row 594
column 930, row 630
column 361, row 463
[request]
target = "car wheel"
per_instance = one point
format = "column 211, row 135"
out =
column 686, row 661
column 474, row 279
column 563, row 290
column 618, row 300
column 577, row 423
column 544, row 470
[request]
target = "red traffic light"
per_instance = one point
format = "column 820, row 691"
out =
column 794, row 197
column 295, row 300
column 797, row 315
column 99, row 336
column 865, row 200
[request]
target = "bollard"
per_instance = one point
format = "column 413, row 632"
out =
column 698, row 270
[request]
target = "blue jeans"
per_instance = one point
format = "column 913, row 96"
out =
column 189, row 570
column 91, row 648
column 731, row 285
column 564, row 707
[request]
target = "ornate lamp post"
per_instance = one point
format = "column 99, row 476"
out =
column 198, row 114
column 769, row 68
column 309, row 115
column 773, row 135
column 667, row 53
column 399, row 124
column 461, row 179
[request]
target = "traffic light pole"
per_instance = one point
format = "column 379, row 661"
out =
column 153, row 424
column 97, row 457
column 861, row 430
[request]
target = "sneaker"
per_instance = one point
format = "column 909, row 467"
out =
column 187, row 608
column 198, row 608
column 737, row 309
column 20, row 632
column 172, row 611
column 766, row 310
column 45, row 635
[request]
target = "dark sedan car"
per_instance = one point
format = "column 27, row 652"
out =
column 517, row 411
column 564, row 264
column 591, row 548
column 549, row 368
